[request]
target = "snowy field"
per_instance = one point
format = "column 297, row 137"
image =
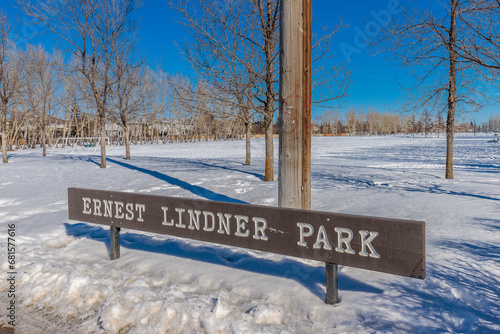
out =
column 67, row 284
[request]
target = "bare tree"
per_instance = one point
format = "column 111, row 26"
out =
column 90, row 31
column 161, row 102
column 389, row 123
column 126, row 100
column 351, row 121
column 221, row 51
column 152, row 93
column 266, row 19
column 182, row 107
column 11, row 68
column 132, row 86
column 412, row 125
column 440, row 124
column 433, row 41
column 427, row 122
column 235, row 45
column 361, row 116
column 42, row 88
column 493, row 123
column 330, row 119
column 373, row 121
column 69, row 101
column 235, row 42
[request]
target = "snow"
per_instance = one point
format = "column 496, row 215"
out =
column 67, row 284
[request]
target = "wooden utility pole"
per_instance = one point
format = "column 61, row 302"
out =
column 295, row 94
column 307, row 98
column 294, row 183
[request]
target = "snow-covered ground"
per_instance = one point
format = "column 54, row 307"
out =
column 67, row 284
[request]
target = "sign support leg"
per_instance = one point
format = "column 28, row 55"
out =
column 115, row 242
column 332, row 288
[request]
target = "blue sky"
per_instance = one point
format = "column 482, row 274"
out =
column 375, row 82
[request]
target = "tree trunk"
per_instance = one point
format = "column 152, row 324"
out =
column 450, row 134
column 268, row 123
column 452, row 91
column 127, row 143
column 4, row 139
column 65, row 129
column 248, row 136
column 44, row 138
column 102, row 121
column 25, row 137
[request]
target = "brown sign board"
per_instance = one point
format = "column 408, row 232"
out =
column 387, row 245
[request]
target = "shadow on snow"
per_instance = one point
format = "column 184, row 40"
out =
column 491, row 224
column 311, row 277
column 197, row 190
column 432, row 189
column 457, row 296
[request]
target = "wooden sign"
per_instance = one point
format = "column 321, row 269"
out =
column 380, row 244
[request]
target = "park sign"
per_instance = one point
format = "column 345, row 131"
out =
column 380, row 244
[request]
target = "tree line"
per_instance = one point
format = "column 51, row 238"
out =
column 43, row 99
column 374, row 123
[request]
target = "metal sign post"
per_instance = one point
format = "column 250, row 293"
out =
column 332, row 287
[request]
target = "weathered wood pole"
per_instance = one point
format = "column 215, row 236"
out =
column 291, row 107
column 307, row 98
column 294, row 183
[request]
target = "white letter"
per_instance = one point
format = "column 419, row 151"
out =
column 209, row 214
column 223, row 222
column 86, row 206
column 241, row 222
column 118, row 210
column 108, row 208
column 260, row 228
column 130, row 211
column 322, row 238
column 141, row 208
column 304, row 234
column 97, row 207
column 346, row 241
column 165, row 222
column 179, row 223
column 193, row 220
column 368, row 242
